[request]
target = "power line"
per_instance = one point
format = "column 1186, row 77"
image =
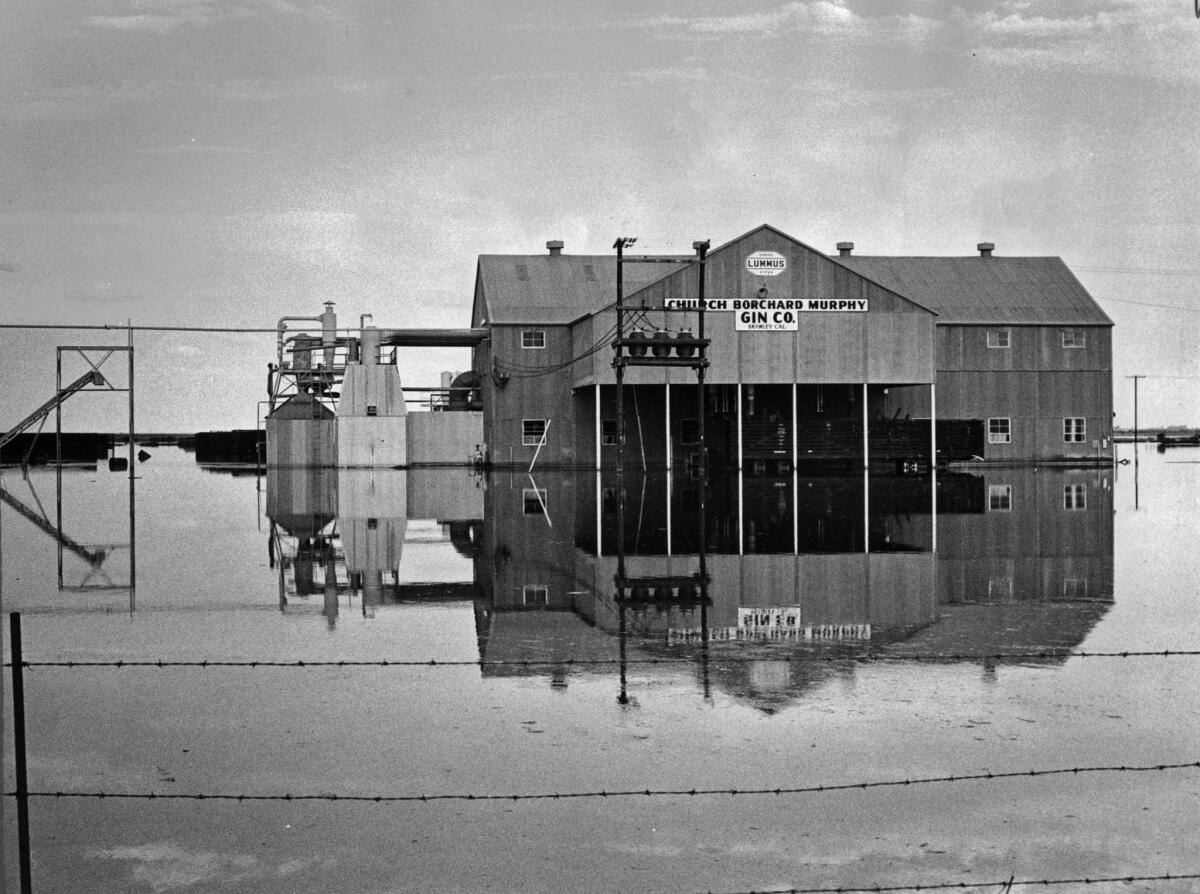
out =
column 871, row 657
column 618, row 793
column 119, row 328
column 1149, row 271
column 1153, row 304
column 999, row 884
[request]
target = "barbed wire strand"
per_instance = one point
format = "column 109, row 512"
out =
column 589, row 662
column 1002, row 884
column 620, row 793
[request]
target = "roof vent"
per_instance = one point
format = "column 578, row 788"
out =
column 555, row 246
column 844, row 248
column 985, row 249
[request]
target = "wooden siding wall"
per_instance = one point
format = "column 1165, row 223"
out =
column 530, row 397
column 1032, row 348
column 443, row 438
column 301, row 442
column 1036, row 383
column 892, row 342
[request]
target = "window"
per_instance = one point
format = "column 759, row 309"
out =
column 536, row 594
column 533, row 501
column 608, row 432
column 1073, row 338
column 999, row 338
column 999, row 430
column 1075, row 496
column 1074, row 429
column 999, row 498
column 533, row 338
column 689, row 431
column 532, row 431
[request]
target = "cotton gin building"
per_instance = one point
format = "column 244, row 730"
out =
column 815, row 360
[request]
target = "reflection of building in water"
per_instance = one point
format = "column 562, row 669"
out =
column 797, row 566
column 1025, row 564
column 341, row 532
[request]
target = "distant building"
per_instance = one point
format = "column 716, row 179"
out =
column 815, row 359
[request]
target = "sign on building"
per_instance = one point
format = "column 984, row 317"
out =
column 766, row 263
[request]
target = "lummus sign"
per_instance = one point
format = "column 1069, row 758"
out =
column 766, row 263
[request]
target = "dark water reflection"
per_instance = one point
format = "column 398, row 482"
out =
column 1006, row 562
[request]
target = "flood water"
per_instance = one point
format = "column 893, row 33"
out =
column 845, row 631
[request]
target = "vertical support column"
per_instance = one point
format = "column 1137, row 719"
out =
column 701, row 251
column 22, row 793
column 619, row 362
column 599, row 439
column 866, row 424
column 933, row 461
column 667, row 392
column 866, row 475
column 795, row 470
column 740, row 472
column 58, row 460
column 599, row 516
column 132, row 477
column 739, row 426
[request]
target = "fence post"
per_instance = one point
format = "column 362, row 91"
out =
column 18, row 691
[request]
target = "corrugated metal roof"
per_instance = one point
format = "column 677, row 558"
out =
column 986, row 290
column 558, row 289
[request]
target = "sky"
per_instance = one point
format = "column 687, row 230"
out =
column 229, row 162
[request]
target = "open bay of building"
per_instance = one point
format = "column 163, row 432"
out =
column 903, row 594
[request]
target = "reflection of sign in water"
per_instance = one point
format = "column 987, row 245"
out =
column 766, row 263
column 768, row 617
column 811, row 633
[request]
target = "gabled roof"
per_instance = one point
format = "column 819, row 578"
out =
column 985, row 290
column 557, row 289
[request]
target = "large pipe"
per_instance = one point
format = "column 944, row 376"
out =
column 329, row 334
column 432, row 338
column 281, row 327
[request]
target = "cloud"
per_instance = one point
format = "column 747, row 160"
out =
column 166, row 16
column 689, row 74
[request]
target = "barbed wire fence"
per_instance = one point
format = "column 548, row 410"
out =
column 22, row 793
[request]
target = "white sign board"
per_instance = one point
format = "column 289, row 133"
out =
column 766, row 263
column 795, row 305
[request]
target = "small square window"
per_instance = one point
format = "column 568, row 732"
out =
column 608, row 432
column 1074, row 429
column 533, row 338
column 999, row 338
column 533, row 501
column 999, row 498
column 536, row 594
column 689, row 432
column 1074, row 338
column 1075, row 497
column 522, row 272
column 999, row 430
column 533, row 431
